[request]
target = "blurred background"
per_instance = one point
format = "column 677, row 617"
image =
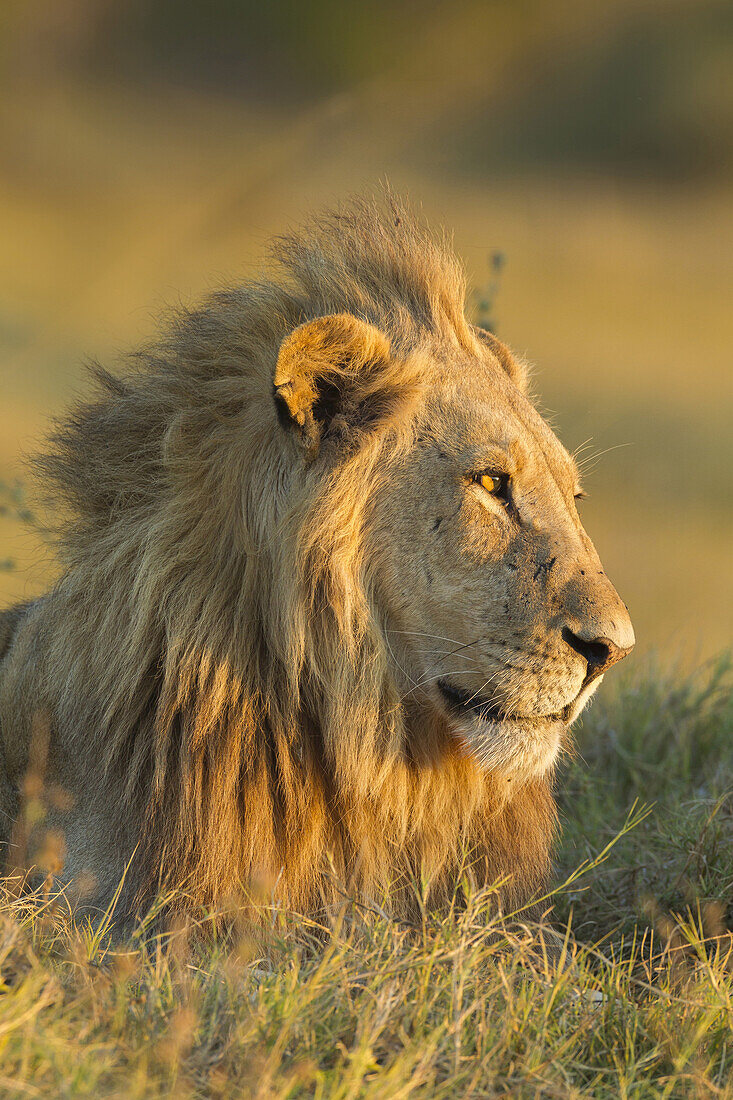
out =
column 149, row 148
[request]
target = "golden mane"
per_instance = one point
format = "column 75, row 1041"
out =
column 226, row 619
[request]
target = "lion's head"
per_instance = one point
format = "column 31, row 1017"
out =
column 328, row 602
column 495, row 612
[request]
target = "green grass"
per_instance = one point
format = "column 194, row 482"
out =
column 639, row 1002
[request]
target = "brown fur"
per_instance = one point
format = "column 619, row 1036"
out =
column 221, row 690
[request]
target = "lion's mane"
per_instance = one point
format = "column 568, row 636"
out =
column 223, row 620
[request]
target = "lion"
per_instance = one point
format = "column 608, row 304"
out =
column 326, row 609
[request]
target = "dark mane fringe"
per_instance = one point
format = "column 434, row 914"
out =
column 222, row 616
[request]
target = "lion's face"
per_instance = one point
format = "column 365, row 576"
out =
column 495, row 598
column 498, row 616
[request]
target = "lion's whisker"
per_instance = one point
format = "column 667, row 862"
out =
column 397, row 663
column 437, row 637
column 430, row 678
column 484, row 685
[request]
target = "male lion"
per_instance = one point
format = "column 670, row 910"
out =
column 327, row 608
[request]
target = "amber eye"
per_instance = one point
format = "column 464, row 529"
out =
column 497, row 485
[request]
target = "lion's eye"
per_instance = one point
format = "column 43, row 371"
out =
column 496, row 485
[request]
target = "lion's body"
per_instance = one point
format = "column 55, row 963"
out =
column 262, row 807
column 221, row 706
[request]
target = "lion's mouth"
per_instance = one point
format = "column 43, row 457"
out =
column 463, row 703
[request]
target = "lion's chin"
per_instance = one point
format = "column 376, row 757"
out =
column 517, row 749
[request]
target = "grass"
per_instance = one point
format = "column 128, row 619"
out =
column 637, row 1003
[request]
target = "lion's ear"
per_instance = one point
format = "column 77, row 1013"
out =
column 515, row 368
column 332, row 380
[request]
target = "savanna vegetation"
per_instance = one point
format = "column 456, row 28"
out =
column 633, row 999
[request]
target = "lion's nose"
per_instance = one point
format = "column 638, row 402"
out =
column 600, row 653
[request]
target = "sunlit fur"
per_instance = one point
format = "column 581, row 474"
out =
column 222, row 698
